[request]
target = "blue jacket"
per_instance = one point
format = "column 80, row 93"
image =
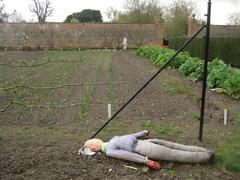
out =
column 122, row 147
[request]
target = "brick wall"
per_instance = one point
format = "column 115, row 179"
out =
column 85, row 35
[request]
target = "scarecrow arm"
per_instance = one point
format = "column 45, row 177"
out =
column 141, row 134
column 126, row 155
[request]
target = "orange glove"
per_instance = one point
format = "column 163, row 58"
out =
column 153, row 165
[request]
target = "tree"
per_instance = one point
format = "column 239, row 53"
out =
column 234, row 19
column 177, row 17
column 68, row 19
column 15, row 17
column 112, row 14
column 140, row 11
column 41, row 9
column 74, row 20
column 86, row 15
column 3, row 14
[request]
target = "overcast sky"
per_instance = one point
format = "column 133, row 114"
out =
column 220, row 8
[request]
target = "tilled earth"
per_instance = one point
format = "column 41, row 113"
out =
column 37, row 143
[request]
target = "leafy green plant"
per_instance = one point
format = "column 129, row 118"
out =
column 180, row 59
column 159, row 56
column 232, row 85
column 193, row 68
column 220, row 75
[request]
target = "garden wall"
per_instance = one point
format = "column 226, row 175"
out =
column 84, row 35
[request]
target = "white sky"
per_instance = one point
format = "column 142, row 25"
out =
column 220, row 8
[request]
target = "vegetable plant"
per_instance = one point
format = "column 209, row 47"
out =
column 220, row 75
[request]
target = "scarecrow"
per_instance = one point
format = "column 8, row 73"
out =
column 136, row 148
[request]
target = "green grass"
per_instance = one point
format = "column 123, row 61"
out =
column 161, row 129
column 116, row 128
column 175, row 88
column 228, row 154
column 236, row 117
column 192, row 116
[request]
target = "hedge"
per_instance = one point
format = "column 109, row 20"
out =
column 227, row 49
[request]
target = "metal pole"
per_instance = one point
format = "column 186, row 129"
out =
column 164, row 66
column 205, row 74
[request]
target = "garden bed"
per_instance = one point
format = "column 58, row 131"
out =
column 39, row 140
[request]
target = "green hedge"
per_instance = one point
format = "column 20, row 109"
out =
column 227, row 49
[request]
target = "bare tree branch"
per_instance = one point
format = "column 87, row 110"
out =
column 41, row 9
column 234, row 19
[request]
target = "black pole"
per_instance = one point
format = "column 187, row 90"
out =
column 205, row 74
column 164, row 66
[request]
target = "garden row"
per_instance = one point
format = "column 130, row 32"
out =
column 221, row 77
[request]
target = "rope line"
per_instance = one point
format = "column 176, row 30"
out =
column 4, row 109
column 63, row 85
column 35, row 65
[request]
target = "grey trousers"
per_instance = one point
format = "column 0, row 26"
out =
column 168, row 151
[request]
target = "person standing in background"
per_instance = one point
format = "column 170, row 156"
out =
column 124, row 43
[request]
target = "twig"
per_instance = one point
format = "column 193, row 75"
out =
column 63, row 85
column 130, row 167
column 6, row 107
column 35, row 65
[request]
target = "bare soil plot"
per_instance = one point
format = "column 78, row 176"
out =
column 40, row 141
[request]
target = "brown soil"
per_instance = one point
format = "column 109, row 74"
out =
column 48, row 150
